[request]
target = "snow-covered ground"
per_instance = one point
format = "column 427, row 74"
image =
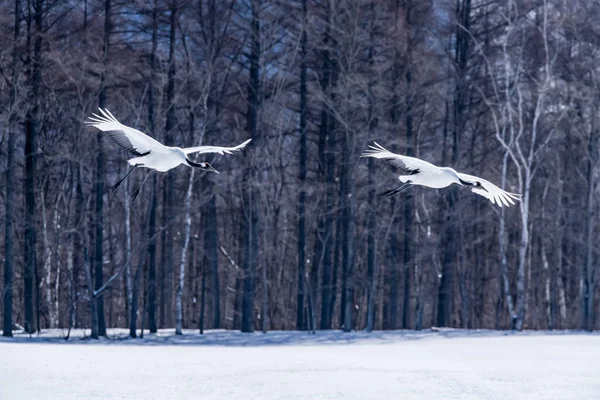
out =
column 449, row 364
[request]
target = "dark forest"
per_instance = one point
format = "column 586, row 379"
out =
column 292, row 234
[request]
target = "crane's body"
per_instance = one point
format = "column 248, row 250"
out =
column 161, row 160
column 420, row 172
column 150, row 153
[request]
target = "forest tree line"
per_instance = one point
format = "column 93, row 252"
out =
column 292, row 234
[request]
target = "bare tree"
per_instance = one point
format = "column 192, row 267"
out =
column 100, row 174
column 323, row 242
column 10, row 170
column 300, row 320
column 152, row 286
column 31, row 149
column 250, row 175
column 167, row 267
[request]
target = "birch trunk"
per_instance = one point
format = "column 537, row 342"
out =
column 87, row 266
column 558, row 275
column 54, row 308
column 47, row 260
column 186, row 241
column 502, row 248
column 523, row 247
column 70, row 288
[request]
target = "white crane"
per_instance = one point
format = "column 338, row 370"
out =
column 419, row 172
column 151, row 153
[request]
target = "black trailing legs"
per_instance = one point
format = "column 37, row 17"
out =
column 135, row 194
column 116, row 185
column 399, row 189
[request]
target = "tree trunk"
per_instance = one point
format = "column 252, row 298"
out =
column 211, row 242
column 587, row 291
column 10, row 171
column 211, row 108
column 8, row 238
column 251, row 194
column 144, row 298
column 48, row 253
column 152, row 289
column 409, row 214
column 523, row 247
column 135, row 298
column 335, row 270
column 77, row 243
column 561, row 305
column 163, row 278
column 391, row 306
column 31, row 131
column 202, row 300
column 93, row 299
column 372, row 270
column 166, row 319
column 408, row 226
column 451, row 243
column 100, row 172
column 347, row 203
column 300, row 323
column 128, row 260
column 391, row 275
column 186, row 241
column 324, row 237
column 239, row 274
column 391, row 300
column 444, row 308
column 99, row 234
column 371, row 262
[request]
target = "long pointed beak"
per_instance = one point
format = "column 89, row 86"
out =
column 212, row 169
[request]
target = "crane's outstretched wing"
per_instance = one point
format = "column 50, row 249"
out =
column 132, row 140
column 215, row 149
column 490, row 191
column 408, row 165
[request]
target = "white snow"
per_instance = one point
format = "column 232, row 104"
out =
column 450, row 364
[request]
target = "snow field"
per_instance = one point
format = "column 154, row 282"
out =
column 294, row 365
